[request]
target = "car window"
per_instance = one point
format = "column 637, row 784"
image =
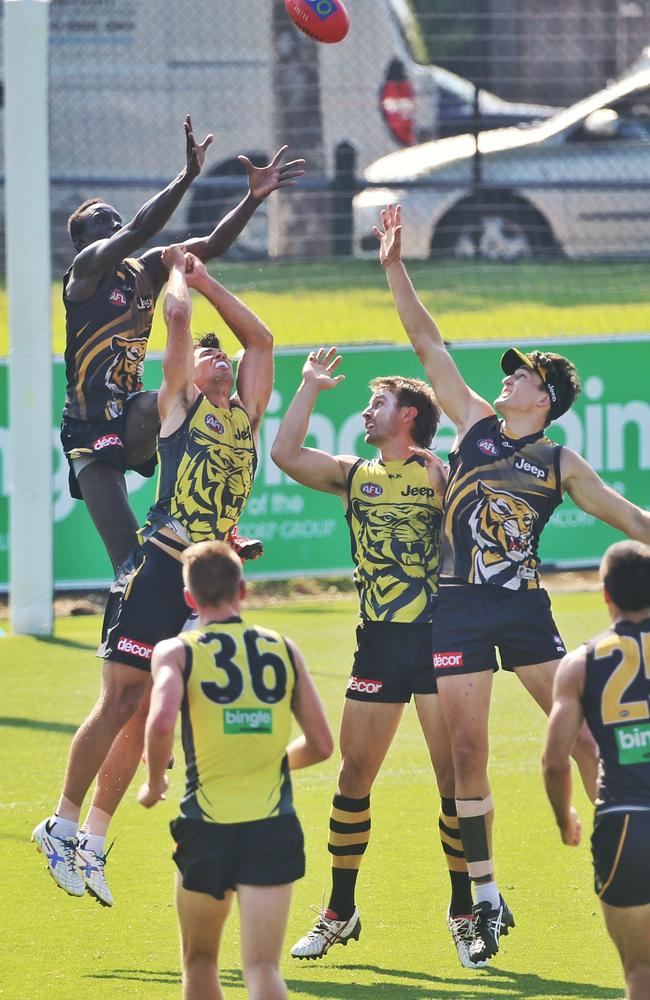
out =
column 625, row 120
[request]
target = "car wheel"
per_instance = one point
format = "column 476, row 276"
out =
column 499, row 230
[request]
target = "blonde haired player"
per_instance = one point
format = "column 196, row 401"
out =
column 237, row 687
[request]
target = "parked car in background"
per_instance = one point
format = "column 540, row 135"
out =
column 578, row 183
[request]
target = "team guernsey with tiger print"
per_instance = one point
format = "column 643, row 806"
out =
column 394, row 520
column 500, row 494
column 106, row 342
column 206, row 473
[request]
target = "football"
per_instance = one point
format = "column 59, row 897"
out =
column 322, row 20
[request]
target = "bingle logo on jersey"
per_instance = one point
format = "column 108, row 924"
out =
column 107, row 441
column 371, row 489
column 117, row 298
column 214, row 424
column 364, row 686
column 522, row 465
column 135, row 648
column 144, row 303
column 447, row 660
column 488, row 447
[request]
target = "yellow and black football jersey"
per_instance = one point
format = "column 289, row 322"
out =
column 500, row 494
column 106, row 341
column 394, row 519
column 616, row 702
column 236, row 723
column 206, row 472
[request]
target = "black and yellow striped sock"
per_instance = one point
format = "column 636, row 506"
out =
column 452, row 845
column 348, row 839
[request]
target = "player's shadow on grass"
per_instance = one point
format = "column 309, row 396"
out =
column 170, row 977
column 485, row 984
column 52, row 640
column 41, row 724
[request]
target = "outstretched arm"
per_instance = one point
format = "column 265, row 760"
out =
column 310, row 466
column 595, row 497
column 564, row 724
column 463, row 406
column 167, row 664
column 316, row 742
column 177, row 391
column 262, row 181
column 255, row 369
column 93, row 262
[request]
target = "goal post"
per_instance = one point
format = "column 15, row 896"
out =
column 27, row 236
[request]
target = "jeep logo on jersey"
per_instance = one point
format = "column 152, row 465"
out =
column 214, row 424
column 364, row 685
column 247, row 720
column 117, row 298
column 372, row 489
column 243, row 435
column 418, row 491
column 135, row 648
column 143, row 302
column 523, row 465
column 447, row 660
column 488, row 447
column 107, row 441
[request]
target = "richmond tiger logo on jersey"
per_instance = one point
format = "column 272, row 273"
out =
column 502, row 528
column 217, row 481
column 125, row 372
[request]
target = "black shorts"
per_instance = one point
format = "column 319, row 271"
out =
column 101, row 440
column 621, row 855
column 392, row 661
column 145, row 605
column 472, row 621
column 216, row 857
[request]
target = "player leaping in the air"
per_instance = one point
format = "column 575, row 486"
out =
column 109, row 424
column 506, row 478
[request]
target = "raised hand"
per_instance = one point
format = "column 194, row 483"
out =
column 390, row 237
column 263, row 180
column 320, row 367
column 195, row 271
column 436, row 468
column 195, row 152
column 173, row 256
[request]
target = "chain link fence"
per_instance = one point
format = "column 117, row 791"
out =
column 452, row 107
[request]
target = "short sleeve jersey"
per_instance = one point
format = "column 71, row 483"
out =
column 106, row 342
column 206, row 471
column 394, row 520
column 616, row 702
column 236, row 723
column 500, row 494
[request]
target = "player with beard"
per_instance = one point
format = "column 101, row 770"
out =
column 393, row 506
column 506, row 478
column 109, row 424
column 207, row 449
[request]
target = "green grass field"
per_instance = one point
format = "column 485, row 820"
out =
column 59, row 947
column 346, row 302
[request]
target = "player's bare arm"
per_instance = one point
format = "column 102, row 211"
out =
column 94, row 261
column 167, row 665
column 564, row 724
column 262, row 181
column 311, row 466
column 316, row 742
column 461, row 404
column 591, row 494
column 177, row 392
column 437, row 470
column 255, row 368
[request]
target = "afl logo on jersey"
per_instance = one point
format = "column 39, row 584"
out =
column 214, row 424
column 117, row 298
column 371, row 489
column 488, row 447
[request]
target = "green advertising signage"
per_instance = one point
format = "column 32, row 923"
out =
column 304, row 532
